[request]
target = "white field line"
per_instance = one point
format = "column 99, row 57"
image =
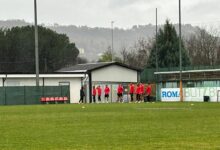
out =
column 166, row 108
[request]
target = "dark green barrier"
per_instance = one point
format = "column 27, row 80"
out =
column 14, row 95
column 65, row 91
column 30, row 94
column 2, row 96
column 33, row 94
column 51, row 91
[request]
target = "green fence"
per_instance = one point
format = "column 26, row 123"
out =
column 148, row 74
column 29, row 95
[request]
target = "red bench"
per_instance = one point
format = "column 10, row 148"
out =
column 43, row 99
column 53, row 99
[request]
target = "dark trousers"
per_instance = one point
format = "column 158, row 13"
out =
column 132, row 97
column 94, row 98
column 138, row 97
column 81, row 99
column 99, row 98
column 148, row 98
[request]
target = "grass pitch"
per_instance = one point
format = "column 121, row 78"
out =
column 111, row 126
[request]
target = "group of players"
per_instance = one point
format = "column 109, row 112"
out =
column 98, row 91
column 139, row 90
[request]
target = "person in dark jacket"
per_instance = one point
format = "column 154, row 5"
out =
column 82, row 95
column 94, row 94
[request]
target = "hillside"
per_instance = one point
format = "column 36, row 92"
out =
column 94, row 41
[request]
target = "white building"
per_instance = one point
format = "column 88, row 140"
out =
column 77, row 76
column 110, row 73
column 73, row 80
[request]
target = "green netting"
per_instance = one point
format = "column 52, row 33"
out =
column 2, row 96
column 15, row 95
column 148, row 76
column 52, row 91
column 65, row 91
column 31, row 94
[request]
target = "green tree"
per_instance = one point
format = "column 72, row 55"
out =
column 107, row 57
column 18, row 50
column 168, row 49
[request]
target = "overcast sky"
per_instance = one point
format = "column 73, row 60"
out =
column 99, row 13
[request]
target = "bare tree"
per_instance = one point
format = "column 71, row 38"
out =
column 137, row 55
column 202, row 47
column 218, row 56
column 124, row 54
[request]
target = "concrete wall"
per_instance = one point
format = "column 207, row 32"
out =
column 115, row 74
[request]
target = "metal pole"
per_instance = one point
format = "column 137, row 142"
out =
column 36, row 44
column 180, row 52
column 157, row 66
column 112, row 24
column 156, row 44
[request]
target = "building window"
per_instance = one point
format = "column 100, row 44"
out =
column 198, row 83
column 210, row 84
column 171, row 85
column 190, row 84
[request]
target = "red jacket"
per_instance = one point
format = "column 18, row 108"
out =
column 141, row 88
column 131, row 87
column 120, row 89
column 148, row 91
column 99, row 90
column 138, row 90
column 107, row 90
column 94, row 92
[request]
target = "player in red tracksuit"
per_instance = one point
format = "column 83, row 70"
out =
column 107, row 91
column 99, row 90
column 138, row 91
column 131, row 91
column 120, row 92
column 148, row 92
column 141, row 92
column 94, row 94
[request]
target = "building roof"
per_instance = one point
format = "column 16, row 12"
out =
column 42, row 75
column 188, row 71
column 83, row 68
